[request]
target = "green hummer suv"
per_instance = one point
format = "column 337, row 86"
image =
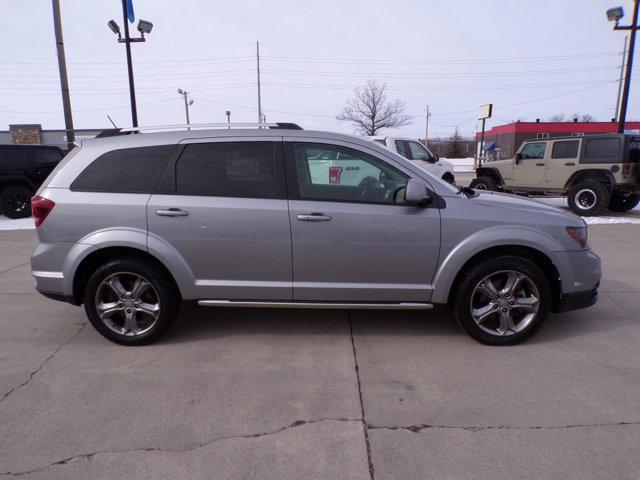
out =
column 594, row 172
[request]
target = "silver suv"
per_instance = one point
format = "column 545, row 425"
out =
column 134, row 225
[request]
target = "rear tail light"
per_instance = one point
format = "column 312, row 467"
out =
column 626, row 168
column 41, row 208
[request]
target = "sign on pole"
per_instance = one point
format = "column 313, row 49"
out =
column 485, row 111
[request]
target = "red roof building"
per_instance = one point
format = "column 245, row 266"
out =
column 502, row 141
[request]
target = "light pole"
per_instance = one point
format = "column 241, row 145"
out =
column 64, row 82
column 615, row 15
column 144, row 27
column 229, row 118
column 187, row 103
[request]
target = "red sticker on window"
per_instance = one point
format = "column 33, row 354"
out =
column 334, row 174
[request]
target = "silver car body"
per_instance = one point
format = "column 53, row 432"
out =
column 255, row 250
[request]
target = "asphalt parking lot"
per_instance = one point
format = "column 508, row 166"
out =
column 321, row 394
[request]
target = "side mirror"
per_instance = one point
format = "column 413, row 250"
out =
column 436, row 158
column 416, row 193
column 518, row 157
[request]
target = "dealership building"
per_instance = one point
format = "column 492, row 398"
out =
column 503, row 141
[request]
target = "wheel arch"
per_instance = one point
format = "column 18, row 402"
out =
column 16, row 181
column 491, row 173
column 595, row 174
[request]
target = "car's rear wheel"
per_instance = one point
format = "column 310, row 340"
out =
column 15, row 202
column 623, row 203
column 503, row 300
column 484, row 183
column 588, row 198
column 130, row 301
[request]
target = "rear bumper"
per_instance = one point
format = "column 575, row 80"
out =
column 577, row 300
column 58, row 297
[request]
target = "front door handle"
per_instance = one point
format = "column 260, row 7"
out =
column 314, row 217
column 172, row 212
column 570, row 164
column 540, row 164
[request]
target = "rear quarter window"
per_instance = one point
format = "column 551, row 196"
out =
column 602, row 150
column 128, row 170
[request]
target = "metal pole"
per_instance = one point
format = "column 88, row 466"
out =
column 64, row 81
column 481, row 144
column 426, row 128
column 627, row 77
column 229, row 118
column 258, row 70
column 186, row 106
column 132, row 88
column 624, row 51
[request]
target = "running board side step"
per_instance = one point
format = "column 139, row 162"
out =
column 338, row 306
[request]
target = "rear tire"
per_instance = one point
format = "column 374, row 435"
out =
column 130, row 301
column 588, row 198
column 493, row 314
column 484, row 183
column 15, row 202
column 620, row 203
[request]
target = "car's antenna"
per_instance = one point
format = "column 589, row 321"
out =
column 112, row 123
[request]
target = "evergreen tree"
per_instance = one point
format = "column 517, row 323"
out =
column 454, row 148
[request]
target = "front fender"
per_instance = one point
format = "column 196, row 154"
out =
column 456, row 257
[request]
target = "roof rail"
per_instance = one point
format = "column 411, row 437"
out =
column 194, row 126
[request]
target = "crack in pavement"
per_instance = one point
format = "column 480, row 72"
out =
column 13, row 268
column 363, row 419
column 37, row 370
column 419, row 428
column 87, row 456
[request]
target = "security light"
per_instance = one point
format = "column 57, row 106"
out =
column 144, row 26
column 615, row 14
column 190, row 102
column 114, row 27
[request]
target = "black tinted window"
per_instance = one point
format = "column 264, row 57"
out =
column 568, row 149
column 601, row 150
column 234, row 169
column 46, row 157
column 130, row 170
column 14, row 158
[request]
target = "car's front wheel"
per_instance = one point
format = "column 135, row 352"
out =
column 130, row 301
column 503, row 300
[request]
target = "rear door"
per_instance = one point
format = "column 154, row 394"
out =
column 563, row 162
column 356, row 241
column 222, row 206
column 530, row 170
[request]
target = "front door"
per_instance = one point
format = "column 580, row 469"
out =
column 530, row 170
column 353, row 238
column 224, row 210
column 562, row 163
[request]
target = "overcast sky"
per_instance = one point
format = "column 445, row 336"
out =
column 532, row 59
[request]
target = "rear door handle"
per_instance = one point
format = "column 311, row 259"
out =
column 540, row 164
column 314, row 217
column 172, row 212
column 570, row 164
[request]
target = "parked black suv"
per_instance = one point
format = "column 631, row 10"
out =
column 22, row 169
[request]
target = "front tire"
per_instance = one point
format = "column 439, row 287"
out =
column 588, row 198
column 484, row 183
column 15, row 202
column 621, row 203
column 449, row 178
column 130, row 301
column 503, row 300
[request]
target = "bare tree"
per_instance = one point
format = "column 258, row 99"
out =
column 558, row 117
column 582, row 117
column 370, row 111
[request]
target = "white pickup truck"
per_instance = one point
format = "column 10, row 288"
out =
column 416, row 152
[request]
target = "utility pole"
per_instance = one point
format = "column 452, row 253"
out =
column 229, row 118
column 258, row 70
column 624, row 51
column 64, row 81
column 426, row 127
column 187, row 103
column 132, row 87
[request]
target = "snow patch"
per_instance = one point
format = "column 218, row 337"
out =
column 18, row 224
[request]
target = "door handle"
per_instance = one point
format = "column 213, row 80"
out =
column 570, row 164
column 539, row 164
column 172, row 212
column 314, row 217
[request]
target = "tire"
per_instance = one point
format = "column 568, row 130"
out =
column 620, row 203
column 449, row 178
column 484, row 183
column 15, row 202
column 490, row 329
column 588, row 198
column 159, row 292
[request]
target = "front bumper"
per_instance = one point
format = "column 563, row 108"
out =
column 577, row 300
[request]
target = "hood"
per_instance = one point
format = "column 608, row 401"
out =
column 445, row 163
column 506, row 200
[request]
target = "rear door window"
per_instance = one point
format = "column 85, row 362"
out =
column 228, row 169
column 128, row 170
column 565, row 149
column 601, row 150
column 14, row 158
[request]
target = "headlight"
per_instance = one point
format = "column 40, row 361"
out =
column 580, row 235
